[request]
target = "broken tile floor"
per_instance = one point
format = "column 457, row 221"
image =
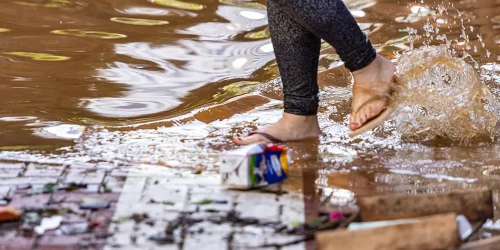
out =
column 150, row 207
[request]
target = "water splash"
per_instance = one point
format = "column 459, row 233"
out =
column 442, row 96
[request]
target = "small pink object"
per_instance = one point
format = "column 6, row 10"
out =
column 95, row 223
column 335, row 215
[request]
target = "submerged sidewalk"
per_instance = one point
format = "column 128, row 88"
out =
column 150, row 207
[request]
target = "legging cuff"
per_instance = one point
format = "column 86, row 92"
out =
column 298, row 105
column 359, row 58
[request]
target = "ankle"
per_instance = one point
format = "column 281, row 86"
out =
column 380, row 70
column 376, row 64
column 299, row 118
column 299, row 122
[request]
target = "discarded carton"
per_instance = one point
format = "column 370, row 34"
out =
column 254, row 165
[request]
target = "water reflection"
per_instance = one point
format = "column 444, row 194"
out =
column 240, row 19
column 180, row 69
column 138, row 21
column 149, row 11
column 179, row 4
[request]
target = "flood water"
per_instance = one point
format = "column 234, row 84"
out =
column 170, row 82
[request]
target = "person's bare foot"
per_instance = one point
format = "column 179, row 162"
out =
column 376, row 78
column 288, row 128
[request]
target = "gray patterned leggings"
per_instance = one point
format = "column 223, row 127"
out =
column 297, row 27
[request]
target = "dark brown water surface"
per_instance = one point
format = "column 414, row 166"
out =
column 169, row 82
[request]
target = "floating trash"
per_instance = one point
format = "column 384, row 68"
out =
column 162, row 238
column 93, row 204
column 4, row 30
column 66, row 131
column 72, row 229
column 492, row 225
column 32, row 218
column 138, row 21
column 89, row 33
column 39, row 56
column 47, row 188
column 50, row 223
column 179, row 4
column 209, row 201
column 72, row 186
column 254, row 165
column 9, row 214
column 464, row 227
column 336, row 215
column 95, row 223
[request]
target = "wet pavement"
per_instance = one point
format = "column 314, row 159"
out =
column 146, row 207
column 161, row 87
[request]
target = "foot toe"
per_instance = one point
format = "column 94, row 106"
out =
column 365, row 114
column 249, row 140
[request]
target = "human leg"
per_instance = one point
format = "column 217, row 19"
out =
column 297, row 54
column 372, row 73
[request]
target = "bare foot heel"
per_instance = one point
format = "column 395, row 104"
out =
column 288, row 128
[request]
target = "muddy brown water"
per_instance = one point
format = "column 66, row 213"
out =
column 169, row 82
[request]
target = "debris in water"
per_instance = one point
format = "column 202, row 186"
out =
column 105, row 188
column 66, row 131
column 335, row 215
column 492, row 225
column 72, row 186
column 95, row 223
column 9, row 214
column 279, row 227
column 49, row 223
column 47, row 188
column 32, row 218
column 464, row 227
column 162, row 238
column 93, row 204
column 149, row 221
column 72, row 229
column 295, row 224
column 208, row 201
column 27, row 230
column 254, row 165
column 139, row 217
column 170, row 203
